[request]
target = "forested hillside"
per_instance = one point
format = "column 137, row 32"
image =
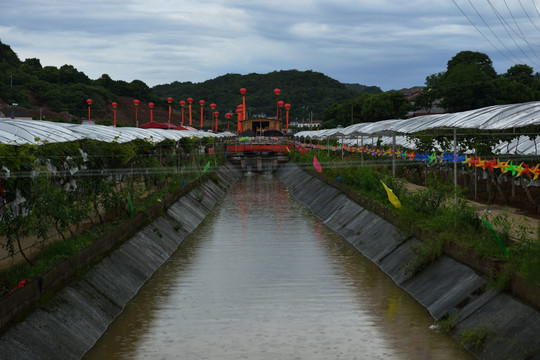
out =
column 62, row 92
column 306, row 91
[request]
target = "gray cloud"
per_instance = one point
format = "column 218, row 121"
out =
column 377, row 42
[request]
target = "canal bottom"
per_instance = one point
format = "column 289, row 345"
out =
column 262, row 278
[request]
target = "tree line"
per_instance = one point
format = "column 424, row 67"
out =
column 469, row 82
column 65, row 89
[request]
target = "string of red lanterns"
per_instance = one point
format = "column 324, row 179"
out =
column 241, row 111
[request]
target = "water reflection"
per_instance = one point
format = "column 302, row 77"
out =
column 262, row 278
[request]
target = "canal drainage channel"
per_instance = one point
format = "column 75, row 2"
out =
column 74, row 319
column 446, row 287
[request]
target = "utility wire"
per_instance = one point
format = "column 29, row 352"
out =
column 516, row 29
column 481, row 33
column 505, row 25
column 492, row 32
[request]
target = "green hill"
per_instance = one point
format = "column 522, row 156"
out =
column 62, row 92
column 306, row 91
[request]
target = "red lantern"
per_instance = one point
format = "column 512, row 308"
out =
column 280, row 105
column 89, row 102
column 182, row 104
column 243, row 92
column 189, row 100
column 202, row 102
column 239, row 117
column 228, row 116
column 277, row 92
column 169, row 100
column 151, row 106
column 287, row 107
column 114, row 105
column 136, row 103
column 212, row 106
column 216, row 114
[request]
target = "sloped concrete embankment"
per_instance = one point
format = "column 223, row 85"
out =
column 445, row 287
column 70, row 323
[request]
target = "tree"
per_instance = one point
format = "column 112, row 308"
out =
column 347, row 113
column 468, row 82
column 520, row 73
column 466, row 87
column 431, row 94
column 69, row 74
column 481, row 61
column 387, row 105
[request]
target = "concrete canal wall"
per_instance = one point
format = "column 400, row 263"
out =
column 446, row 287
column 70, row 323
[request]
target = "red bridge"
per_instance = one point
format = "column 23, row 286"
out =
column 241, row 148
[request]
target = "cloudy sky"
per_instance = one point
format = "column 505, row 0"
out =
column 388, row 43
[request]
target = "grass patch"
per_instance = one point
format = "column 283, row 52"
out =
column 477, row 337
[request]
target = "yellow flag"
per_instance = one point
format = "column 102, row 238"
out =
column 392, row 197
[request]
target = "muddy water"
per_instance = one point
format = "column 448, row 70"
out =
column 261, row 278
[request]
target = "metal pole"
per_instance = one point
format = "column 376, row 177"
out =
column 455, row 167
column 362, row 153
column 394, row 155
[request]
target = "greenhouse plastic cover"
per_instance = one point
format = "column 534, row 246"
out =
column 497, row 117
column 35, row 132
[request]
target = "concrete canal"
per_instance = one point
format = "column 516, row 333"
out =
column 262, row 278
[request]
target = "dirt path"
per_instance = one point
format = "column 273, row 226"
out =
column 520, row 223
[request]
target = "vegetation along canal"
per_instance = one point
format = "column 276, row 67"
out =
column 262, row 278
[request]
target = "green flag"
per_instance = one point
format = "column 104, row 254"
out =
column 496, row 236
column 206, row 167
column 130, row 206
